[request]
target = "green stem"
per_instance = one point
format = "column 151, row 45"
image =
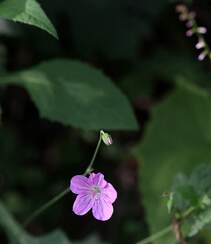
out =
column 166, row 230
column 187, row 213
column 46, row 206
column 62, row 194
column 89, row 168
column 156, row 235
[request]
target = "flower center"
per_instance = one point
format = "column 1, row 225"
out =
column 96, row 191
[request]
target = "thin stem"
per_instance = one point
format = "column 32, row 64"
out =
column 89, row 168
column 63, row 193
column 45, row 206
column 156, row 236
column 166, row 230
column 188, row 212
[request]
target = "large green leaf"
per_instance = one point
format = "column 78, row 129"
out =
column 194, row 193
column 28, row 12
column 75, row 94
column 200, row 221
column 177, row 138
column 17, row 235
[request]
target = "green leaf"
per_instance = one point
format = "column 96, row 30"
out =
column 17, row 235
column 28, row 12
column 177, row 138
column 199, row 222
column 194, row 193
column 75, row 94
column 185, row 194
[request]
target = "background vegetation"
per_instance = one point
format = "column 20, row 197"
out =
column 70, row 68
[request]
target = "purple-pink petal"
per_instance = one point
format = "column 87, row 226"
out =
column 102, row 210
column 109, row 193
column 79, row 184
column 97, row 179
column 95, row 193
column 83, row 203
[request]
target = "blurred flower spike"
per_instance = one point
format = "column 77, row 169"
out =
column 107, row 139
column 95, row 193
column 193, row 28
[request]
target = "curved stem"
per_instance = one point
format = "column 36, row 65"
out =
column 156, row 235
column 63, row 193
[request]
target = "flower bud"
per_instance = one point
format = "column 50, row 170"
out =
column 202, row 55
column 192, row 15
column 202, row 30
column 189, row 33
column 181, row 8
column 189, row 24
column 106, row 138
column 200, row 44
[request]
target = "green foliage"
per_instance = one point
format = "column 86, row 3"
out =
column 90, row 240
column 177, row 138
column 75, row 94
column 28, row 12
column 17, row 235
column 165, row 66
column 199, row 222
column 143, row 47
column 193, row 193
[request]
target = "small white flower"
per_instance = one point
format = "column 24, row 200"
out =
column 202, row 55
column 200, row 44
column 181, row 8
column 202, row 30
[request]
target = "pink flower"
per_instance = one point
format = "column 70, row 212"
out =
column 181, row 8
column 189, row 33
column 189, row 24
column 93, row 193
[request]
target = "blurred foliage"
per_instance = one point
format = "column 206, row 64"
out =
column 178, row 135
column 18, row 236
column 192, row 194
column 28, row 12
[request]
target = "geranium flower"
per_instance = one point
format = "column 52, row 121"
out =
column 95, row 193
